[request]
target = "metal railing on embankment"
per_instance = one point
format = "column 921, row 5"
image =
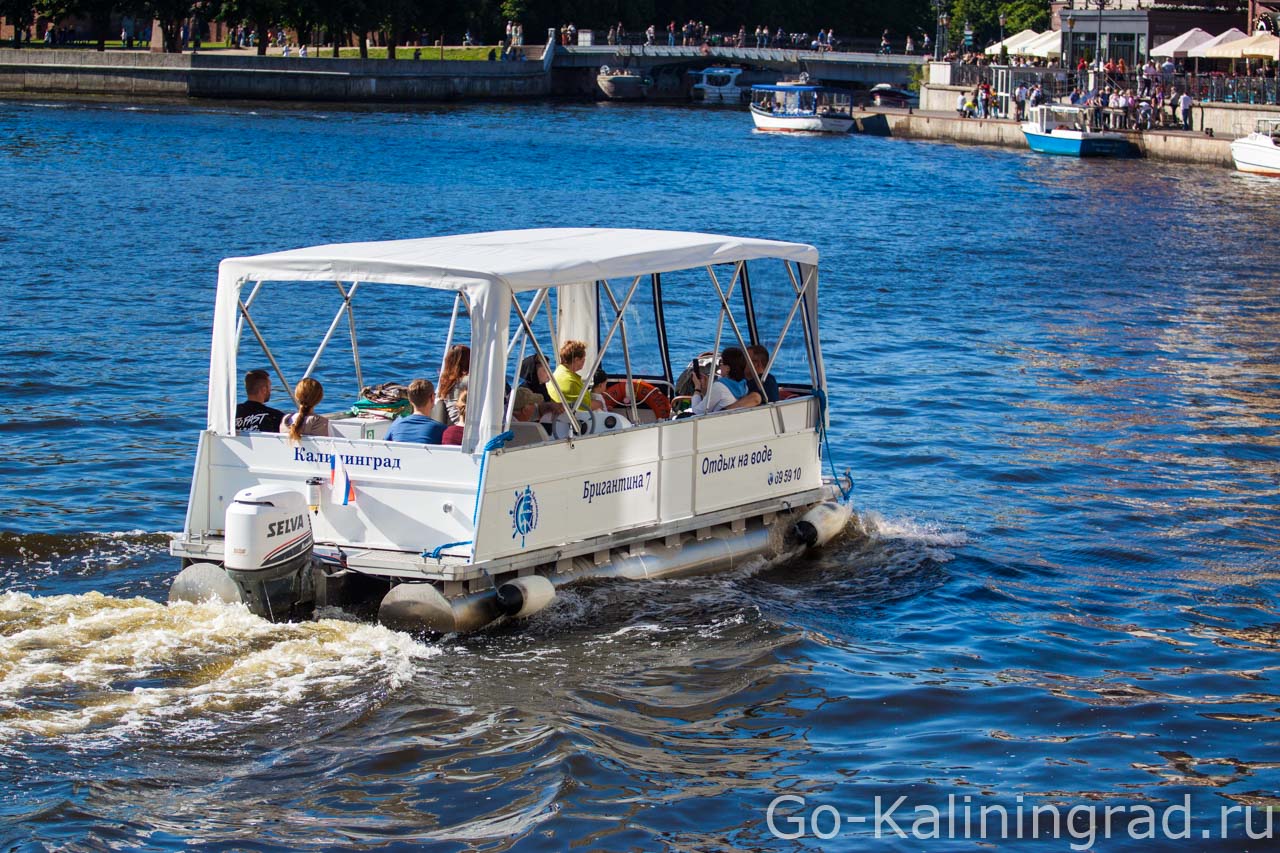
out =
column 1210, row 87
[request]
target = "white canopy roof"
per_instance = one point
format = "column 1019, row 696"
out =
column 1045, row 45
column 1179, row 45
column 1013, row 41
column 525, row 260
column 1259, row 46
column 1229, row 36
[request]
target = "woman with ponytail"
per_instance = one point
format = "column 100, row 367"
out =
column 453, row 381
column 308, row 394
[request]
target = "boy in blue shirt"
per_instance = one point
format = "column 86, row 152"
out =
column 418, row 428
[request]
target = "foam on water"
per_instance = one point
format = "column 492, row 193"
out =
column 94, row 666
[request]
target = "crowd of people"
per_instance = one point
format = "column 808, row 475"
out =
column 697, row 34
column 733, row 379
column 1118, row 98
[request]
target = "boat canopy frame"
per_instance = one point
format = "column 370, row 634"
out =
column 487, row 272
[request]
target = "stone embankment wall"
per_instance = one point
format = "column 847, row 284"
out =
column 1227, row 121
column 1158, row 145
column 80, row 72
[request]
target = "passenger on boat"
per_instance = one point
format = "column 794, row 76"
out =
column 598, row 383
column 454, row 379
column 760, row 360
column 527, row 406
column 453, row 433
column 734, row 373
column 565, row 384
column 534, row 378
column 308, row 393
column 420, row 427
column 253, row 415
column 708, row 397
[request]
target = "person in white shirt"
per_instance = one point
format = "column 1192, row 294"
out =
column 709, row 396
column 1184, row 104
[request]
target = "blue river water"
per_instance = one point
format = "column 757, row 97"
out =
column 1055, row 383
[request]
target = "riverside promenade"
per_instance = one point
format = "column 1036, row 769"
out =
column 242, row 76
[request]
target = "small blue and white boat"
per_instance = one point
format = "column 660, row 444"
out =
column 1069, row 131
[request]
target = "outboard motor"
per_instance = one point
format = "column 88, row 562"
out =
column 268, row 549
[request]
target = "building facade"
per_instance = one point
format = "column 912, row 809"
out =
column 1129, row 29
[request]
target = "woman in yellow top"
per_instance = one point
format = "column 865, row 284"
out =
column 566, row 379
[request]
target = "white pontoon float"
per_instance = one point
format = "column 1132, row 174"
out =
column 453, row 538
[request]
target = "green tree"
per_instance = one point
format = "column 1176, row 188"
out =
column 170, row 15
column 1027, row 15
column 981, row 16
column 98, row 12
column 262, row 14
column 20, row 14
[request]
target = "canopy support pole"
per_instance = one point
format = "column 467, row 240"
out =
column 737, row 333
column 542, row 359
column 244, row 312
column 337, row 318
column 660, row 321
column 802, row 292
column 351, row 324
column 724, row 306
column 448, row 339
column 626, row 351
column 586, row 388
column 253, row 294
column 786, row 327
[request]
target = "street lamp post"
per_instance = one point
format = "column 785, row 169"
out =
column 1070, row 51
column 1097, row 45
column 937, row 41
column 944, row 21
column 1002, row 20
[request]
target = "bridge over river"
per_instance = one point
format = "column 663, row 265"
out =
column 574, row 67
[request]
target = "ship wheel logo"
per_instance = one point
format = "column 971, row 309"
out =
column 524, row 515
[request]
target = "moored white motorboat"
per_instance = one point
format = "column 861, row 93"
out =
column 1258, row 153
column 450, row 538
column 622, row 84
column 1069, row 130
column 801, row 107
column 717, row 85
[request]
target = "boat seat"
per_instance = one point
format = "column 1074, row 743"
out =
column 525, row 433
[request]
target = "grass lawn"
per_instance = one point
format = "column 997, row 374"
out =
column 468, row 53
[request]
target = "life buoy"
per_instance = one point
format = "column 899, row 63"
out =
column 647, row 395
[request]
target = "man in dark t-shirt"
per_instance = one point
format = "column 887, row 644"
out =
column 253, row 415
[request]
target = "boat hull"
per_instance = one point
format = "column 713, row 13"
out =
column 718, row 95
column 1256, row 157
column 1076, row 144
column 801, row 123
column 623, row 88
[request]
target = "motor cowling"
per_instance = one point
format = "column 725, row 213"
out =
column 267, row 528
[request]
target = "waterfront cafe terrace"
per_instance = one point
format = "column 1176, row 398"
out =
column 1230, row 67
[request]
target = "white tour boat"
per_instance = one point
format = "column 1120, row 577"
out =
column 717, row 85
column 801, row 107
column 1259, row 152
column 451, row 538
